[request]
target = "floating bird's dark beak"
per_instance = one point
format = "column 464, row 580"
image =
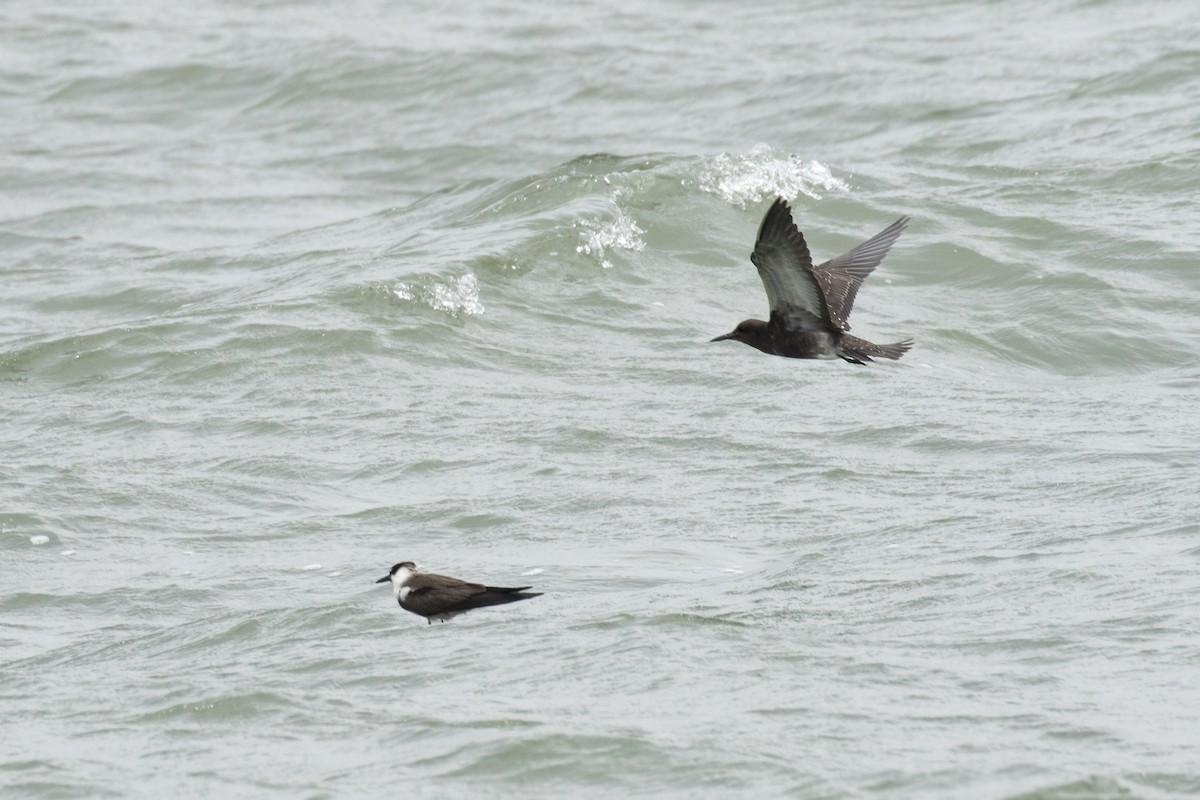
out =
column 722, row 337
column 384, row 579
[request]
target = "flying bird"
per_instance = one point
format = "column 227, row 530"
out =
column 440, row 597
column 810, row 304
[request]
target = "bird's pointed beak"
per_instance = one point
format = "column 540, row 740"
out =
column 722, row 337
column 384, row 579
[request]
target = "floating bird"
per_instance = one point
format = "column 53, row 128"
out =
column 809, row 305
column 439, row 597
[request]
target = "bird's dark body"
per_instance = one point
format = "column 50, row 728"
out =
column 776, row 339
column 437, row 595
column 810, row 303
column 442, row 597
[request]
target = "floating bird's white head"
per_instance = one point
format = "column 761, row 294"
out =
column 399, row 575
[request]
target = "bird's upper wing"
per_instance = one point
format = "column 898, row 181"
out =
column 786, row 269
column 433, row 594
column 840, row 277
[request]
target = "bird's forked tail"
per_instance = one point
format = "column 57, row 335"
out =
column 858, row 351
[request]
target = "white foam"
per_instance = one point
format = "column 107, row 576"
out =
column 37, row 540
column 535, row 571
column 762, row 174
column 620, row 233
column 456, row 296
column 460, row 298
column 311, row 567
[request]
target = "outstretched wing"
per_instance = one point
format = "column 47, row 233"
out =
column 786, row 269
column 840, row 277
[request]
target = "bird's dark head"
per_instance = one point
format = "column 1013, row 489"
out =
column 408, row 565
column 753, row 332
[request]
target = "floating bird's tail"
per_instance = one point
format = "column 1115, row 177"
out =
column 499, row 595
column 859, row 351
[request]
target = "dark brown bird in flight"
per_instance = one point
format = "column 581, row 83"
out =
column 810, row 304
column 439, row 597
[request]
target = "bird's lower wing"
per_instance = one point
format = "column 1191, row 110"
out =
column 785, row 267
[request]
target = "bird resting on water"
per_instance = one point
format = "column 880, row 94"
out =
column 810, row 304
column 441, row 597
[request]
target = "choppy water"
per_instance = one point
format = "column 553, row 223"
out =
column 293, row 291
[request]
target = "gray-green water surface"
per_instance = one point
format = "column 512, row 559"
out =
column 291, row 291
